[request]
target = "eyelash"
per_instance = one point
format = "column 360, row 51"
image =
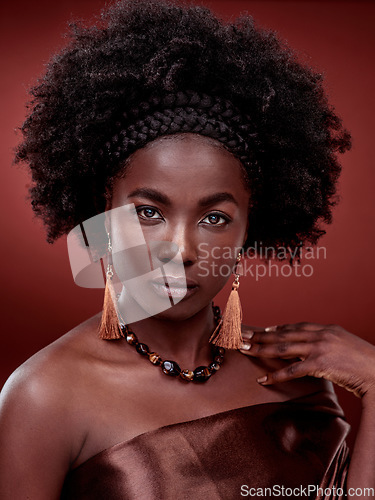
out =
column 221, row 215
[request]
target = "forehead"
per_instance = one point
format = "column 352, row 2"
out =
column 184, row 162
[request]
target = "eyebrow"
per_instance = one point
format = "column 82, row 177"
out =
column 155, row 195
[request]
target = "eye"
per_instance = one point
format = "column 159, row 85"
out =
column 148, row 213
column 216, row 219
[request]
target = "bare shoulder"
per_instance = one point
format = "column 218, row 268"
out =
column 51, row 367
column 41, row 392
column 294, row 388
column 42, row 427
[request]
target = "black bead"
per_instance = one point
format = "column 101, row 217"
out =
column 219, row 359
column 220, row 351
column 201, row 374
column 142, row 349
column 171, row 368
column 213, row 367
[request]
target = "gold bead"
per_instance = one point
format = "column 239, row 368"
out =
column 214, row 366
column 131, row 338
column 187, row 374
column 154, row 358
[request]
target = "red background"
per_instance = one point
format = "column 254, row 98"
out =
column 39, row 299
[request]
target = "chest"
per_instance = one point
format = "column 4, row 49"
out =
column 129, row 401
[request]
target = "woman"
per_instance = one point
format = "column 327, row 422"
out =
column 217, row 138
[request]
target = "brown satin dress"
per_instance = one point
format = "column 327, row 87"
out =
column 295, row 443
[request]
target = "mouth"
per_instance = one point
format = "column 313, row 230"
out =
column 175, row 287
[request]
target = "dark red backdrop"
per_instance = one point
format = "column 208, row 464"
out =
column 39, row 298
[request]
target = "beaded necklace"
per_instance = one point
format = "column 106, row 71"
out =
column 171, row 368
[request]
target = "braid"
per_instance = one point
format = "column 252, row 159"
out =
column 183, row 112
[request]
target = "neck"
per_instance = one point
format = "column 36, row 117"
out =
column 185, row 341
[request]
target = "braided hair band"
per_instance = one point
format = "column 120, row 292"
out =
column 183, row 112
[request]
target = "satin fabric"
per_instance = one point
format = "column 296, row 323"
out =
column 294, row 444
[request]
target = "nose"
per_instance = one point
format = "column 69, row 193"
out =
column 178, row 238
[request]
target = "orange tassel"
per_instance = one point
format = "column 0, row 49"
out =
column 228, row 332
column 109, row 325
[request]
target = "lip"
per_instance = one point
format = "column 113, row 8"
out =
column 179, row 288
column 175, row 282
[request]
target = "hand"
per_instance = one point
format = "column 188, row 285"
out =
column 323, row 351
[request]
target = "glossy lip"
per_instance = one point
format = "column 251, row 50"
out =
column 178, row 287
column 175, row 282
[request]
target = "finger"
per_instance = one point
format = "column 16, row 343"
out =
column 280, row 350
column 281, row 336
column 293, row 371
column 295, row 326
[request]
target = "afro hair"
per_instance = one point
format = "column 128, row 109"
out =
column 141, row 48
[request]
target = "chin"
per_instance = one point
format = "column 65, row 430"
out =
column 183, row 310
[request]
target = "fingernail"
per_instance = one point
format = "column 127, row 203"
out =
column 271, row 328
column 262, row 379
column 245, row 347
column 250, row 334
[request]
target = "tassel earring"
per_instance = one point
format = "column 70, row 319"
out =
column 228, row 332
column 109, row 328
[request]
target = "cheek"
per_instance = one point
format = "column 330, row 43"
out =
column 223, row 244
column 218, row 253
column 130, row 255
column 216, row 265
